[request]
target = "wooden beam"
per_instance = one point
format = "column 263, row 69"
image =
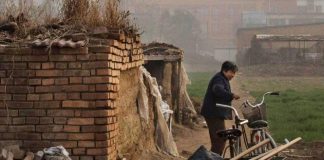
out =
column 279, row 149
column 251, row 149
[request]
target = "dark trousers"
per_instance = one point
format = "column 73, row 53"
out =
column 217, row 143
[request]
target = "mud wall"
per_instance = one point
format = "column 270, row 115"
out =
column 66, row 96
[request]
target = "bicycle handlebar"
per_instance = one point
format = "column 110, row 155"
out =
column 263, row 98
column 229, row 107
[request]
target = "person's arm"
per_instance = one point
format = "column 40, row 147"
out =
column 220, row 92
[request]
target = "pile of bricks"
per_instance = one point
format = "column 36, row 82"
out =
column 65, row 96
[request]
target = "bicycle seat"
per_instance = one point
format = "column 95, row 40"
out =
column 229, row 133
column 258, row 124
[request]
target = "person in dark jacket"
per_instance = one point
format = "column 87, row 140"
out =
column 219, row 91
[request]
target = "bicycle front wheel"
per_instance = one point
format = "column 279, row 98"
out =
column 260, row 136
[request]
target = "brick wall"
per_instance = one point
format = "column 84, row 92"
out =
column 65, row 96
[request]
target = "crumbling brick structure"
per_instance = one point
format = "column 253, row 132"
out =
column 64, row 96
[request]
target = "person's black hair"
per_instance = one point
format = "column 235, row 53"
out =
column 229, row 66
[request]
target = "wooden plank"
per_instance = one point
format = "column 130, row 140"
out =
column 280, row 148
column 251, row 149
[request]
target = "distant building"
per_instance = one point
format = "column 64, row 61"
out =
column 220, row 19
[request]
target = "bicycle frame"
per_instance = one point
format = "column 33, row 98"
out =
column 238, row 123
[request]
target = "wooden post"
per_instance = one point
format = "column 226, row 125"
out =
column 179, row 109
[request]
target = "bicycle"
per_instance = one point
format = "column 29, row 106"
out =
column 234, row 135
column 256, row 114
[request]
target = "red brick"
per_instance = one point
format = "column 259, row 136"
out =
column 61, row 65
column 75, row 88
column 5, row 97
column 81, row 136
column 46, row 120
column 60, row 96
column 19, row 104
column 47, row 82
column 48, row 65
column 3, row 128
column 62, row 58
column 79, row 151
column 96, row 65
column 47, row 89
column 75, row 65
column 49, row 128
column 18, row 120
column 95, row 128
column 75, row 80
column 35, row 82
column 93, row 72
column 83, row 57
column 5, row 120
column 60, row 120
column 96, row 80
column 92, row 88
column 74, row 96
column 61, row 81
column 100, row 144
column 105, row 104
column 19, row 97
column 96, row 113
column 49, row 73
column 86, row 158
column 86, row 144
column 19, row 89
column 28, row 136
column 21, row 81
column 68, row 128
column 38, row 144
column 76, row 73
column 97, row 151
column 106, row 87
column 60, row 113
column 32, row 120
column 46, row 97
column 74, row 157
column 47, row 104
column 34, row 65
column 101, row 49
column 75, row 104
column 12, row 113
column 108, row 120
column 31, row 112
column 102, row 136
column 55, row 136
column 66, row 144
column 76, row 51
column 38, row 58
column 32, row 97
column 8, row 136
column 95, row 96
column 24, row 128
column 81, row 121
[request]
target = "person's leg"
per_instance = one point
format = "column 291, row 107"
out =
column 217, row 143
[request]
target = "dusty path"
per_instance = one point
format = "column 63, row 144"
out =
column 188, row 140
